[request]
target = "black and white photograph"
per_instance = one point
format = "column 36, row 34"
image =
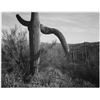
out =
column 50, row 50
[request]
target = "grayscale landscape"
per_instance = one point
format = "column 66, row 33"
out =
column 68, row 58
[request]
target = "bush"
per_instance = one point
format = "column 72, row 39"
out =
column 15, row 53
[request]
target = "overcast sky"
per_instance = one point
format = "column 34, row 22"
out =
column 76, row 27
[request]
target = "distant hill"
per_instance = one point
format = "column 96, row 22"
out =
column 84, row 62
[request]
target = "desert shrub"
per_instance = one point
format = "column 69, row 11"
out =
column 80, row 72
column 15, row 54
column 53, row 55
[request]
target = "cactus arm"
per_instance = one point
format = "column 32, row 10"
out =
column 22, row 21
column 47, row 30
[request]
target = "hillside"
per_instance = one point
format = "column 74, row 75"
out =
column 54, row 70
column 84, row 64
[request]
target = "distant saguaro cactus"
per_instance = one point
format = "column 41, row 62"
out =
column 34, row 39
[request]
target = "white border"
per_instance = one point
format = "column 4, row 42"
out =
column 50, row 5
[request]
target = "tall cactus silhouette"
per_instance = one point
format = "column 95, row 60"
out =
column 34, row 27
column 34, row 39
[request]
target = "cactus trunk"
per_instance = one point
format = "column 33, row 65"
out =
column 34, row 39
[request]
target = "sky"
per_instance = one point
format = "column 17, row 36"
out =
column 77, row 27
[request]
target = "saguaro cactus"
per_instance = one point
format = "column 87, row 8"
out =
column 34, row 39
